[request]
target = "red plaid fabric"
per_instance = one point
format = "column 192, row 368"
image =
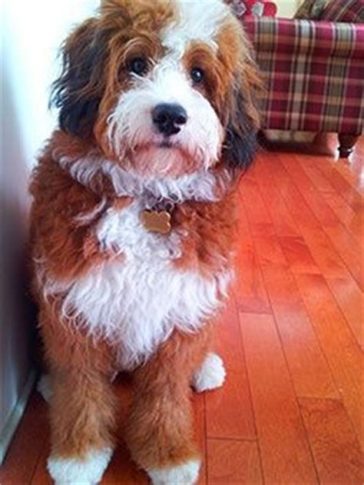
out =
column 314, row 73
column 348, row 11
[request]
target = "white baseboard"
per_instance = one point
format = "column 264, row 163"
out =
column 9, row 429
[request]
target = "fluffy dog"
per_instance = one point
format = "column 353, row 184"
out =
column 132, row 226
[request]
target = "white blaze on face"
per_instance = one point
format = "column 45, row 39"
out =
column 130, row 126
column 196, row 20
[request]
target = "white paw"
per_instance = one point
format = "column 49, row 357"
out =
column 186, row 474
column 210, row 375
column 44, row 387
column 86, row 471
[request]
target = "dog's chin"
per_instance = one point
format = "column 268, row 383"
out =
column 163, row 159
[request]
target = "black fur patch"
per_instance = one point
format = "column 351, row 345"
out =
column 239, row 150
column 240, row 142
column 78, row 91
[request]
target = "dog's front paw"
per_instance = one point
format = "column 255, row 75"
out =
column 85, row 471
column 210, row 375
column 185, row 474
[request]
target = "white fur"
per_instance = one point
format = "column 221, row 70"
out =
column 138, row 298
column 186, row 474
column 200, row 186
column 44, row 387
column 132, row 134
column 196, row 21
column 211, row 374
column 72, row 471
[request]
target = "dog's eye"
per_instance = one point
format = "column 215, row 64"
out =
column 138, row 65
column 197, row 75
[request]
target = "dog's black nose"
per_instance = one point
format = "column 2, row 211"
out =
column 169, row 118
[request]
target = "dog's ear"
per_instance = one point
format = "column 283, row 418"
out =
column 243, row 116
column 78, row 91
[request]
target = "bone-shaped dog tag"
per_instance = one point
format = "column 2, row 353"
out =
column 155, row 221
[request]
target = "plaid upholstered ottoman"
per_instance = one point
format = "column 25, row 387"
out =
column 315, row 76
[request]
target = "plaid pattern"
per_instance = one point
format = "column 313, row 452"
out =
column 348, row 11
column 314, row 73
column 310, row 9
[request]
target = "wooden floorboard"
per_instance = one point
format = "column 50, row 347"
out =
column 229, row 412
column 335, row 449
column 233, row 462
column 342, row 351
column 346, row 246
column 344, row 213
column 306, row 360
column 284, row 447
column 291, row 336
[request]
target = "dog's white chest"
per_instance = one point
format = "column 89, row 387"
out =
column 138, row 299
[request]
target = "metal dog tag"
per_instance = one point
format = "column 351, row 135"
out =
column 155, row 221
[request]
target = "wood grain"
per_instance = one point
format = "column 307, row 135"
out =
column 284, row 447
column 335, row 449
column 229, row 412
column 342, row 351
column 307, row 363
column 233, row 462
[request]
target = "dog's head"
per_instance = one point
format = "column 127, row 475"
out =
column 163, row 87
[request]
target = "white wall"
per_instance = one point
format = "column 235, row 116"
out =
column 31, row 32
column 287, row 8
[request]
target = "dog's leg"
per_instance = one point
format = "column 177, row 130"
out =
column 45, row 387
column 81, row 415
column 160, row 429
column 81, row 408
column 210, row 375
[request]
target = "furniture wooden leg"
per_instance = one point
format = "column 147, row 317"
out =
column 347, row 143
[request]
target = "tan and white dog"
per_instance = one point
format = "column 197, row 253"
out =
column 132, row 226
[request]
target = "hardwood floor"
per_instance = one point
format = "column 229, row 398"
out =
column 292, row 337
